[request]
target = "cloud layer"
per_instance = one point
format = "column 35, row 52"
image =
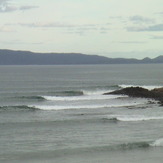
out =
column 140, row 19
column 7, row 6
column 70, row 28
column 152, row 28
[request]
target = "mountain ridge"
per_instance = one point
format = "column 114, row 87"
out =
column 18, row 57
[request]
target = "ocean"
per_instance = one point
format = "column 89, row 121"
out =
column 58, row 114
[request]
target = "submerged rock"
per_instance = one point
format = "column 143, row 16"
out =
column 140, row 92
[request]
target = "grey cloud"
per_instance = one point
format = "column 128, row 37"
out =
column 2, row 2
column 140, row 19
column 7, row 6
column 7, row 9
column 20, row 42
column 157, row 37
column 116, row 17
column 60, row 25
column 108, row 24
column 104, row 29
column 68, row 27
column 27, row 7
column 135, row 29
column 132, row 42
column 81, row 33
column 47, row 25
column 159, row 13
column 89, row 25
column 156, row 28
column 84, row 27
column 103, row 32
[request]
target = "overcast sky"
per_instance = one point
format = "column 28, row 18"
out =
column 112, row 28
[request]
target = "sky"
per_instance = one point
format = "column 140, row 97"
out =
column 112, row 28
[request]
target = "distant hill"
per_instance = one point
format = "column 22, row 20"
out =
column 11, row 57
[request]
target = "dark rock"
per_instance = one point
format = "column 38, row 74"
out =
column 156, row 94
column 132, row 92
column 158, row 90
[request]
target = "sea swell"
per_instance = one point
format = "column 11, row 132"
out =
column 67, row 106
column 116, row 147
column 78, row 152
column 79, row 99
column 83, row 94
column 131, row 145
column 67, row 93
column 38, row 98
column 17, row 108
column 157, row 143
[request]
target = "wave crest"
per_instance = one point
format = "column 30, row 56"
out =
column 81, row 98
column 157, row 143
column 135, row 145
column 116, row 147
column 74, row 106
column 149, row 87
column 132, row 118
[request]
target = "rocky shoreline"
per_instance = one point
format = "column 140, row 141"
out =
column 156, row 94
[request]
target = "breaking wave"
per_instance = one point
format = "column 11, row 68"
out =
column 96, row 92
column 66, row 107
column 86, row 91
column 80, row 98
column 149, row 87
column 131, row 118
column 132, row 145
column 91, row 106
column 157, row 143
column 103, row 148
column 123, row 146
column 70, row 96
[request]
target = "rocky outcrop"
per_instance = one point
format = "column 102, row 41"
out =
column 140, row 92
column 158, row 90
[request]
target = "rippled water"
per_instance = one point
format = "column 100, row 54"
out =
column 59, row 114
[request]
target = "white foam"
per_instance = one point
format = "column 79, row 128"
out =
column 149, row 87
column 127, row 118
column 79, row 98
column 75, row 106
column 157, row 143
column 96, row 92
column 62, row 107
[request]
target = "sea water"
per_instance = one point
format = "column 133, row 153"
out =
column 58, row 114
